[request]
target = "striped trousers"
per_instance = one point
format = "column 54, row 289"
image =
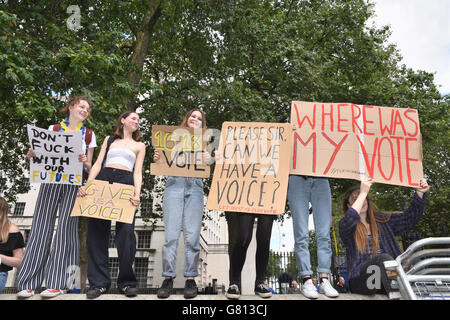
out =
column 45, row 259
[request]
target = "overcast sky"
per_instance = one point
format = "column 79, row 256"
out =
column 421, row 30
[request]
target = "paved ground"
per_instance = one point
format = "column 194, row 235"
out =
column 199, row 297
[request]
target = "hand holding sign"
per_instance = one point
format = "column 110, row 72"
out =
column 423, row 187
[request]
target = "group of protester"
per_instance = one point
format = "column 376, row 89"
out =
column 368, row 235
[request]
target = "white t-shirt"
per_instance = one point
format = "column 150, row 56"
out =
column 93, row 143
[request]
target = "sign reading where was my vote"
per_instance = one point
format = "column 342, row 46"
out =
column 56, row 159
column 181, row 152
column 345, row 140
column 107, row 201
column 252, row 173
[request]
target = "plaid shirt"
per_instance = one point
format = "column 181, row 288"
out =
column 396, row 225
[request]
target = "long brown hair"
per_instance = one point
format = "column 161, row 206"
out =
column 73, row 101
column 4, row 221
column 118, row 133
column 186, row 117
column 373, row 217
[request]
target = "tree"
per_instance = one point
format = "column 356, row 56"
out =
column 238, row 60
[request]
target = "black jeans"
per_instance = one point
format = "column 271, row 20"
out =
column 98, row 234
column 367, row 282
column 243, row 225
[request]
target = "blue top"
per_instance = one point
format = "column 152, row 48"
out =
column 387, row 231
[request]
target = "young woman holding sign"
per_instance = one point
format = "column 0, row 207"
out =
column 182, row 208
column 120, row 161
column 44, row 259
column 369, row 235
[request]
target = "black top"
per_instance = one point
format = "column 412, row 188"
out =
column 15, row 241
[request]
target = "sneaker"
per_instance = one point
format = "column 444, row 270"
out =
column 190, row 289
column 233, row 292
column 51, row 293
column 25, row 294
column 262, row 291
column 95, row 292
column 309, row 290
column 166, row 289
column 327, row 289
column 129, row 291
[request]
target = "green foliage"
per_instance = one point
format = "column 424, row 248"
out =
column 238, row 60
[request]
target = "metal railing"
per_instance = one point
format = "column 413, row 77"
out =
column 416, row 273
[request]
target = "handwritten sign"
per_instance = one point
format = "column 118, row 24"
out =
column 253, row 174
column 56, row 159
column 345, row 140
column 181, row 152
column 106, row 201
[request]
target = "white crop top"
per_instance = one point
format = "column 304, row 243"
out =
column 124, row 157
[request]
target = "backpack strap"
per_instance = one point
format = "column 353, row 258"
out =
column 88, row 137
column 110, row 141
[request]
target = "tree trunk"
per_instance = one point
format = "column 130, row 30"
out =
column 140, row 48
column 82, row 234
column 141, row 45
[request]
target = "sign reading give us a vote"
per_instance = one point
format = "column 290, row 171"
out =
column 56, row 159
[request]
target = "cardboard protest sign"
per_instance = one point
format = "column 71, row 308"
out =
column 56, row 159
column 106, row 201
column 345, row 140
column 181, row 151
column 252, row 174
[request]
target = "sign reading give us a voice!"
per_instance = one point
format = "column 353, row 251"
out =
column 107, row 201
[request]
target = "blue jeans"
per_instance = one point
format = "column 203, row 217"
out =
column 303, row 190
column 182, row 209
column 3, row 278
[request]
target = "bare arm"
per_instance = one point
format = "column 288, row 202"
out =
column 95, row 169
column 137, row 176
column 363, row 192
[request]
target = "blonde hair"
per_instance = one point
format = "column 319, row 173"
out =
column 4, row 221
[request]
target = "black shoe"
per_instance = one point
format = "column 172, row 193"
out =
column 166, row 289
column 129, row 291
column 233, row 292
column 262, row 291
column 95, row 292
column 190, row 289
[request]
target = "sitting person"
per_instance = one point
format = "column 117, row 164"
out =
column 369, row 236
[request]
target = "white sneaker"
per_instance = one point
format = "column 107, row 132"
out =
column 25, row 294
column 327, row 289
column 50, row 293
column 309, row 290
